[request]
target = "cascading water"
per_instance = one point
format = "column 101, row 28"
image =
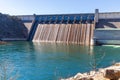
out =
column 65, row 30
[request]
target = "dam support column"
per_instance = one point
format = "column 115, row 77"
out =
column 96, row 19
column 96, row 15
column 92, row 42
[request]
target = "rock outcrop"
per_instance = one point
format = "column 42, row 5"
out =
column 11, row 27
column 113, row 72
column 109, row 73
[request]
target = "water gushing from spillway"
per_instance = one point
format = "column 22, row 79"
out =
column 66, row 33
column 77, row 31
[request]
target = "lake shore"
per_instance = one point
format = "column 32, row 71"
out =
column 109, row 73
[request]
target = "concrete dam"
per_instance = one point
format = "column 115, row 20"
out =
column 83, row 29
column 74, row 28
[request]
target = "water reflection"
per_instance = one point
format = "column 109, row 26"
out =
column 58, row 47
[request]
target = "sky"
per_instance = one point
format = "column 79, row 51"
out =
column 30, row 7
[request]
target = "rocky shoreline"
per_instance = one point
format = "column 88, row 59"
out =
column 109, row 73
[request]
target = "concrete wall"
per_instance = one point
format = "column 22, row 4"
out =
column 108, row 23
column 107, row 29
column 28, row 26
column 107, row 34
column 110, row 15
column 108, row 20
column 26, row 17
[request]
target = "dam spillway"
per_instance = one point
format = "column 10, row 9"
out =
column 65, row 31
column 74, row 28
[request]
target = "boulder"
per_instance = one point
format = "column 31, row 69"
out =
column 86, row 78
column 112, row 74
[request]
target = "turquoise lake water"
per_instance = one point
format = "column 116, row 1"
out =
column 45, row 61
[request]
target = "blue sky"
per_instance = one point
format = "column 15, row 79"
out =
column 24, row 7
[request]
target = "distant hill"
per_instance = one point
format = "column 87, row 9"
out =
column 12, row 27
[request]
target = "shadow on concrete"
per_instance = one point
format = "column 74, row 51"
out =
column 108, row 23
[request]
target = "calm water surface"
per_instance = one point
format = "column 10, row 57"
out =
column 45, row 61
